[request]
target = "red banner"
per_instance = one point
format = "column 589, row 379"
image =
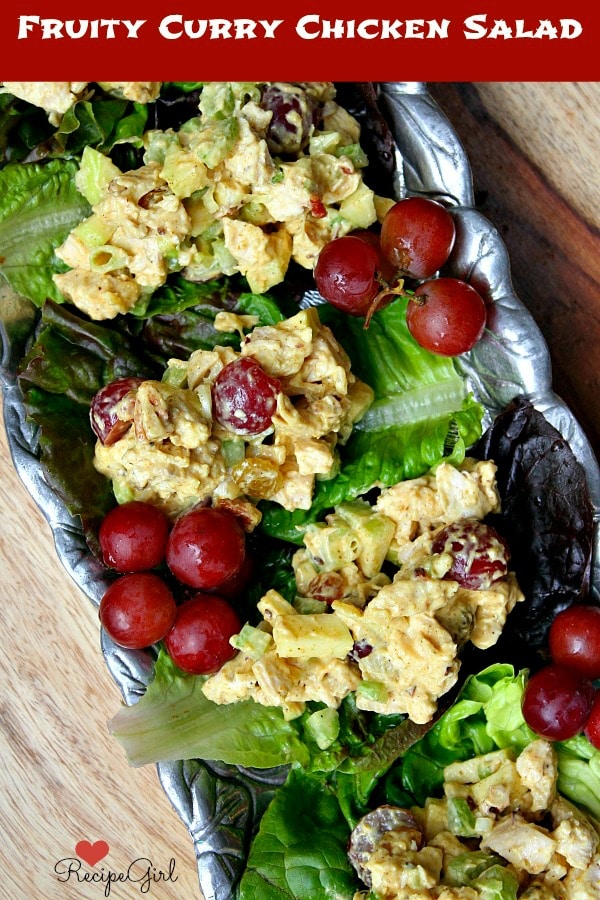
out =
column 184, row 41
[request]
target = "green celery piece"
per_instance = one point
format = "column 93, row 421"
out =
column 95, row 171
column 462, row 869
column 496, row 883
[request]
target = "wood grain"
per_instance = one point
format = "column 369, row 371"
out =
column 63, row 778
column 533, row 149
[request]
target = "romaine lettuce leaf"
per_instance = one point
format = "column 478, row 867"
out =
column 39, row 205
column 173, row 720
column 422, row 414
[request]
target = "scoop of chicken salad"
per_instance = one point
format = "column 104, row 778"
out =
column 262, row 175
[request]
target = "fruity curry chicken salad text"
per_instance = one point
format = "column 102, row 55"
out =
column 243, row 376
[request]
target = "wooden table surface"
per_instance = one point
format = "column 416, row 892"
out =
column 534, row 150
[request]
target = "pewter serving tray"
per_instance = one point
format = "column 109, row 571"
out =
column 221, row 805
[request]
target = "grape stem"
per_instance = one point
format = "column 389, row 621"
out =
column 395, row 289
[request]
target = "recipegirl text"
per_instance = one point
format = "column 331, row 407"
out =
column 141, row 872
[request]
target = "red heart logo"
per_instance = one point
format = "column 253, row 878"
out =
column 91, row 853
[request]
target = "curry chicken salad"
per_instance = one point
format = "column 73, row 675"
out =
column 395, row 640
column 230, row 191
column 501, row 829
column 286, row 479
column 180, row 453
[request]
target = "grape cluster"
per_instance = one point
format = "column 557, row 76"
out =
column 560, row 699
column 205, row 550
column 363, row 272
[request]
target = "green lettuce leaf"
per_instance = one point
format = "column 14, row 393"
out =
column 39, row 205
column 174, row 720
column 300, row 848
column 579, row 773
column 100, row 123
column 179, row 317
column 207, row 298
column 22, row 127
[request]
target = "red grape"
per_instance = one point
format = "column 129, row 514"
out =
column 446, row 316
column 245, row 397
column 137, row 610
column 237, row 584
column 574, row 639
column 417, row 236
column 133, row 537
column 295, row 115
column 198, row 642
column 206, row 548
column 385, row 269
column 557, row 702
column 103, row 418
column 479, row 554
column 346, row 274
column 592, row 728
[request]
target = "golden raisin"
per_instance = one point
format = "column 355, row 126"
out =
column 257, row 477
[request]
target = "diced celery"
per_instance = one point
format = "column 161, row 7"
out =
column 210, row 261
column 373, row 690
column 307, row 605
column 251, row 641
column 355, row 153
column 95, row 171
column 324, row 142
column 255, row 212
column 233, row 451
column 157, row 143
column 122, row 491
column 354, row 511
column 461, row 820
column 215, row 141
column 107, row 259
column 175, row 374
column 323, row 726
column 93, row 231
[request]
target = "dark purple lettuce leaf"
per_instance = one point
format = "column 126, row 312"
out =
column 70, row 359
column 546, row 517
column 361, row 99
